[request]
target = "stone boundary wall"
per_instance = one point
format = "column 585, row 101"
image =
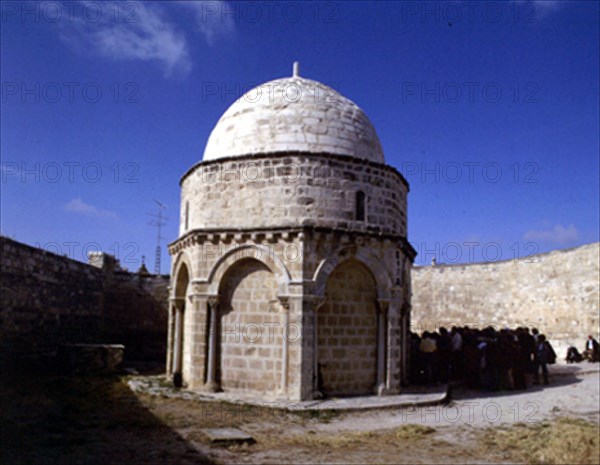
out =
column 135, row 314
column 557, row 292
column 47, row 300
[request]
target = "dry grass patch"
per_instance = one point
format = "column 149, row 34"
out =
column 335, row 441
column 413, row 432
column 347, row 439
column 566, row 440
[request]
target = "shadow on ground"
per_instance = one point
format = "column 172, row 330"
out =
column 560, row 375
column 54, row 419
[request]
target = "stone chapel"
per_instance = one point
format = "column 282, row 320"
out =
column 290, row 277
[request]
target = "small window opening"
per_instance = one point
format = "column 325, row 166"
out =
column 187, row 215
column 360, row 206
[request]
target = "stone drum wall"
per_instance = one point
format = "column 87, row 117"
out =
column 287, row 190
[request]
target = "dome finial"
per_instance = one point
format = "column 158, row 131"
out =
column 296, row 69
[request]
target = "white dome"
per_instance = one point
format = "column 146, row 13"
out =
column 293, row 115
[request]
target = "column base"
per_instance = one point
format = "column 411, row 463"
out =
column 177, row 379
column 281, row 394
column 212, row 386
column 390, row 392
column 317, row 395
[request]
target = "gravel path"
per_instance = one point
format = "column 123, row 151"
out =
column 574, row 391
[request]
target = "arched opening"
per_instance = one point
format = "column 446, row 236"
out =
column 182, row 281
column 180, row 354
column 347, row 332
column 250, row 329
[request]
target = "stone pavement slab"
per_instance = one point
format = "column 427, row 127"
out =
column 227, row 436
column 425, row 397
column 413, row 396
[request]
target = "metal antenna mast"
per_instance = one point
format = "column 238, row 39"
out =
column 159, row 221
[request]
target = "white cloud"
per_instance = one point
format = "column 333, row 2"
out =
column 140, row 33
column 215, row 19
column 538, row 9
column 557, row 235
column 548, row 5
column 79, row 206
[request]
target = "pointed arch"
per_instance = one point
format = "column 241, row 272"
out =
column 258, row 252
column 182, row 275
column 362, row 254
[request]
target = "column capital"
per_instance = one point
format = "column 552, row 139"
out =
column 213, row 301
column 397, row 293
column 199, row 286
column 177, row 303
column 284, row 301
column 383, row 304
column 315, row 301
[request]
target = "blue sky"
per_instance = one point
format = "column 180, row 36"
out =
column 490, row 109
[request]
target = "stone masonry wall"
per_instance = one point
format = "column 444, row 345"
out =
column 347, row 326
column 48, row 300
column 557, row 292
column 251, row 354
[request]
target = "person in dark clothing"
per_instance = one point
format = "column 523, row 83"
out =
column 456, row 354
column 472, row 366
column 544, row 354
column 573, row 355
column 416, row 363
column 507, row 353
column 443, row 355
column 522, row 360
column 530, row 345
column 428, row 353
column 591, row 352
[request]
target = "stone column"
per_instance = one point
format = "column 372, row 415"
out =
column 381, row 345
column 305, row 317
column 178, row 342
column 317, row 303
column 406, row 317
column 406, row 345
column 170, row 336
column 285, row 308
column 394, row 337
column 299, row 351
column 211, row 378
column 196, row 340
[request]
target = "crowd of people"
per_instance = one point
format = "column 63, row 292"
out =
column 483, row 358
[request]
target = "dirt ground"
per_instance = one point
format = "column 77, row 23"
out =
column 99, row 420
